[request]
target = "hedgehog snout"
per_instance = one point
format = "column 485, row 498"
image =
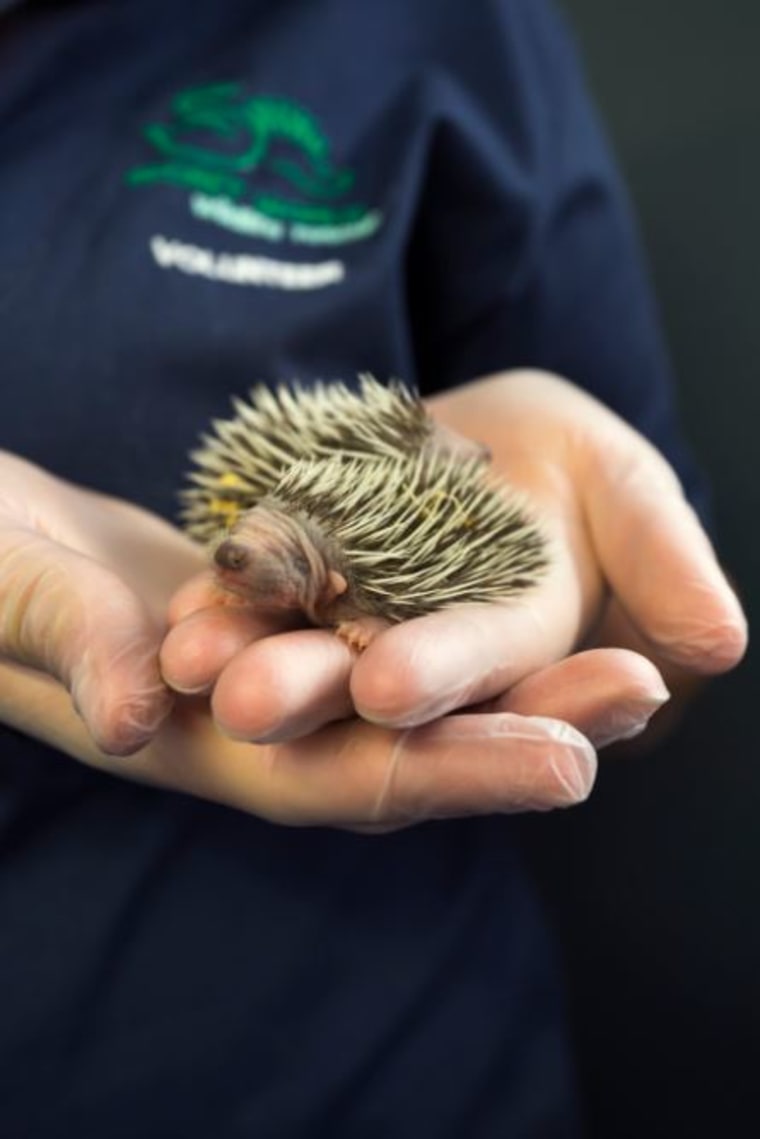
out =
column 261, row 564
column 231, row 555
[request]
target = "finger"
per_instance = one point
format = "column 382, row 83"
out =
column 284, row 687
column 70, row 617
column 421, row 669
column 668, row 579
column 364, row 777
column 608, row 694
column 652, row 549
column 355, row 775
column 201, row 592
column 199, row 647
column 361, row 777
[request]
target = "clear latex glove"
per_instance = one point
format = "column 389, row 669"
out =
column 82, row 600
column 84, row 582
column 622, row 536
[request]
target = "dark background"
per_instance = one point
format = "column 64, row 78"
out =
column 655, row 883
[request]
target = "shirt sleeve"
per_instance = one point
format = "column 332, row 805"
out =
column 526, row 251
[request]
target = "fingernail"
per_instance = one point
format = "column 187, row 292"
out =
column 627, row 723
column 573, row 764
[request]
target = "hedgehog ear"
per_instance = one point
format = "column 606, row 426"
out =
column 335, row 585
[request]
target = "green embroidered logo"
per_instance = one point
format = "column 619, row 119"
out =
column 256, row 166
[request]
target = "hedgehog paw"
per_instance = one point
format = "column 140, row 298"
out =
column 360, row 632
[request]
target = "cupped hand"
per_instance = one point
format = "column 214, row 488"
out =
column 624, row 543
column 84, row 585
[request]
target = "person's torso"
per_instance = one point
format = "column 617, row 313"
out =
column 196, row 198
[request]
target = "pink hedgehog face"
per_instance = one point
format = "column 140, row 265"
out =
column 278, row 562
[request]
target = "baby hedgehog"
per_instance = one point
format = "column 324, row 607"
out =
column 356, row 508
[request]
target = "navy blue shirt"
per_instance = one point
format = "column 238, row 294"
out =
column 194, row 197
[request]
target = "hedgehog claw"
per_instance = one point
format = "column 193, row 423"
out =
column 360, row 632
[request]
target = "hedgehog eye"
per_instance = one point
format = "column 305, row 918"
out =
column 301, row 565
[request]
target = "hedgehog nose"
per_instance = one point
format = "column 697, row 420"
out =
column 231, row 555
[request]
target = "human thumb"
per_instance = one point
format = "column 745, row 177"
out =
column 66, row 615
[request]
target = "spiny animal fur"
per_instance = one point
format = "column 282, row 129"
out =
column 413, row 534
column 393, row 538
column 351, row 506
column 245, row 456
